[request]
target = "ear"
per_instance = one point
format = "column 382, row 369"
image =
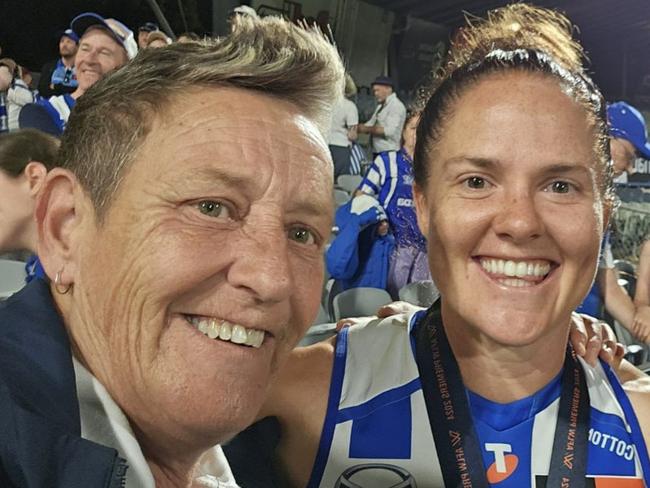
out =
column 60, row 209
column 421, row 209
column 35, row 173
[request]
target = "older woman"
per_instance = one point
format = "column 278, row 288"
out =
column 513, row 192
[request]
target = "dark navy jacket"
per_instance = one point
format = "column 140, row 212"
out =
column 40, row 429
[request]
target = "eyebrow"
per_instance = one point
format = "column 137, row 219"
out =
column 219, row 175
column 487, row 163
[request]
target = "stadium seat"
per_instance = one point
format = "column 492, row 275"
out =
column 12, row 277
column 359, row 302
column 318, row 333
column 420, row 293
column 349, row 183
column 341, row 197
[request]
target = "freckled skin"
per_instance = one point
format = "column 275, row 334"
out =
column 517, row 214
column 525, row 134
column 157, row 257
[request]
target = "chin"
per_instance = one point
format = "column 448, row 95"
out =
column 509, row 328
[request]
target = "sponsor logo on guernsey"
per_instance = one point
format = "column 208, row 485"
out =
column 504, row 463
column 404, row 202
column 611, row 443
column 407, row 179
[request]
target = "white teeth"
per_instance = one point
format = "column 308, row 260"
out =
column 239, row 334
column 213, row 329
column 255, row 338
column 518, row 269
column 515, row 282
column 225, row 331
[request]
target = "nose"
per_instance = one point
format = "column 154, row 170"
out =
column 263, row 266
column 89, row 56
column 518, row 219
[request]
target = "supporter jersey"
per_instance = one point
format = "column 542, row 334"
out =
column 59, row 108
column 377, row 433
column 62, row 75
column 390, row 180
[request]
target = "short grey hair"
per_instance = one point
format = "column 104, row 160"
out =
column 270, row 55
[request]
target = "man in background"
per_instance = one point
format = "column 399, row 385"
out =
column 386, row 124
column 104, row 46
column 59, row 77
column 144, row 31
column 628, row 139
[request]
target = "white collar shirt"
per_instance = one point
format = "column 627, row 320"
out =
column 390, row 115
column 103, row 422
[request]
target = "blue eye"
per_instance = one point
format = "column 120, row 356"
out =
column 302, row 235
column 214, row 208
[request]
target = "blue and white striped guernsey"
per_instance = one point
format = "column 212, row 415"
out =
column 390, row 180
column 376, row 432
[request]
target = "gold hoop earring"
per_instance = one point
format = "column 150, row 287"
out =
column 57, row 284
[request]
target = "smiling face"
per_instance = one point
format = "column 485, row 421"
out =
column 511, row 210
column 208, row 267
column 98, row 54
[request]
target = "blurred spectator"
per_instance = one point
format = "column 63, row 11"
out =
column 642, row 295
column 144, row 31
column 26, row 76
column 390, row 180
column 386, row 124
column 360, row 253
column 628, row 139
column 343, row 129
column 25, row 158
column 188, row 37
column 158, row 39
column 59, row 76
column 104, row 46
column 17, row 93
column 628, row 136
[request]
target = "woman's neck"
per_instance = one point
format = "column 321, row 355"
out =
column 503, row 373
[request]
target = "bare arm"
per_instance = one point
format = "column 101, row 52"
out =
column 642, row 294
column 352, row 133
column 617, row 302
column 375, row 130
column 298, row 398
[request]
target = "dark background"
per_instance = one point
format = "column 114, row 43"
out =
column 28, row 28
column 615, row 33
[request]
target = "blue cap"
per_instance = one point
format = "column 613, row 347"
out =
column 148, row 27
column 626, row 122
column 122, row 34
column 383, row 80
column 71, row 34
